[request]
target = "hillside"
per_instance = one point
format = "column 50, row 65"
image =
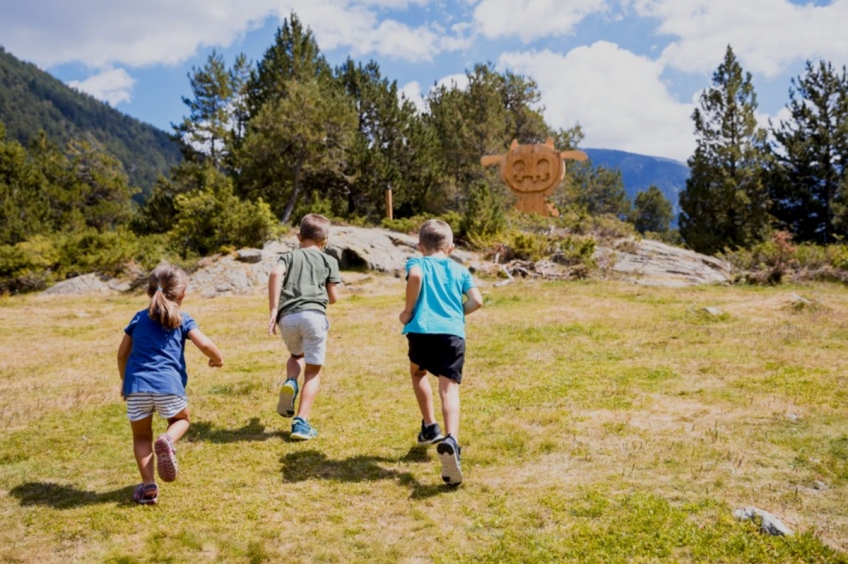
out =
column 640, row 171
column 32, row 100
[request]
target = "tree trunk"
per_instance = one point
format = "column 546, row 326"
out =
column 295, row 190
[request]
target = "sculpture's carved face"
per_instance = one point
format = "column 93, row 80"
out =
column 532, row 168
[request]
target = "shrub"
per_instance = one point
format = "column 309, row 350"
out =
column 213, row 220
column 484, row 214
column 43, row 260
column 574, row 249
column 412, row 224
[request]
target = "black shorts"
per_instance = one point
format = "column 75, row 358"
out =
column 440, row 355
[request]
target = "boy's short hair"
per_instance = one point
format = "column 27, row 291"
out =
column 435, row 235
column 314, row 227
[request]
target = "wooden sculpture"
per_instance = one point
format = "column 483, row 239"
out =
column 533, row 172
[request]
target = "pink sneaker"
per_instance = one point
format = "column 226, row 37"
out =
column 146, row 495
column 166, row 458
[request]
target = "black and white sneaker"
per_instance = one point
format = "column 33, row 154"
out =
column 430, row 434
column 449, row 454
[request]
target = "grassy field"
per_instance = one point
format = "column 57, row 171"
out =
column 602, row 422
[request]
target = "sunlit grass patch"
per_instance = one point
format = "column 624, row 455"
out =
column 601, row 422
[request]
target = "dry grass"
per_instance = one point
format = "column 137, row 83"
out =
column 602, row 422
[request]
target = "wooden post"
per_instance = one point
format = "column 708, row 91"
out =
column 389, row 212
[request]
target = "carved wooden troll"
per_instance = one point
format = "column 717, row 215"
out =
column 533, row 172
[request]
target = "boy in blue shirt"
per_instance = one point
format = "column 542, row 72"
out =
column 434, row 324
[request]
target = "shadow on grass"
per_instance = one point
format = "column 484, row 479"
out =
column 309, row 464
column 60, row 496
column 252, row 431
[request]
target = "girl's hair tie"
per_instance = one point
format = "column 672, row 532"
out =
column 159, row 289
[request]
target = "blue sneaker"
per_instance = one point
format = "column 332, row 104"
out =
column 288, row 394
column 302, row 430
column 449, row 453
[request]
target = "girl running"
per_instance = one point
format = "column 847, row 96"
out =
column 151, row 361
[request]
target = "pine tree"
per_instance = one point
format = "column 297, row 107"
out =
column 205, row 129
column 391, row 148
column 651, row 211
column 725, row 200
column 808, row 186
column 597, row 190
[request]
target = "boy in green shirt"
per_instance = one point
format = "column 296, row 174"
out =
column 299, row 288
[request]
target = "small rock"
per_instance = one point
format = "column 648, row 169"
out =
column 819, row 485
column 250, row 256
column 769, row 524
column 714, row 311
column 798, row 300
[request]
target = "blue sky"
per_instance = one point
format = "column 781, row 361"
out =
column 628, row 71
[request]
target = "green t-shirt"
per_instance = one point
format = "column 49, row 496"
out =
column 308, row 271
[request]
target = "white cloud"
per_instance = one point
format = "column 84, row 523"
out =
column 412, row 92
column 110, row 85
column 134, row 34
column 532, row 19
column 459, row 80
column 617, row 97
column 766, row 35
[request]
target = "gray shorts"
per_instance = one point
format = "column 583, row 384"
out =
column 305, row 333
column 143, row 404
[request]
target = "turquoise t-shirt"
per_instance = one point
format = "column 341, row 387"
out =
column 439, row 306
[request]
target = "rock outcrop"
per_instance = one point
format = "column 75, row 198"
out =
column 657, row 264
column 379, row 250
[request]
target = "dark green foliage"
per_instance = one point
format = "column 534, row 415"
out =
column 32, row 101
column 206, row 127
column 294, row 56
column 299, row 125
column 24, row 210
column 725, row 200
column 303, row 134
column 808, row 188
column 43, row 260
column 651, row 211
column 392, row 147
column 482, row 119
column 43, row 190
column 598, row 190
column 484, row 213
column 211, row 218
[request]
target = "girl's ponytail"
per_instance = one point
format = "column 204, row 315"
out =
column 166, row 287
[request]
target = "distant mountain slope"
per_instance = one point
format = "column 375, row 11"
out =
column 640, row 171
column 32, row 100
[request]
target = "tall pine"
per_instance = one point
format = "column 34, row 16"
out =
column 808, row 187
column 724, row 204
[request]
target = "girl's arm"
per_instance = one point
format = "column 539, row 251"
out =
column 413, row 288
column 474, row 301
column 275, row 284
column 332, row 293
column 207, row 347
column 124, row 350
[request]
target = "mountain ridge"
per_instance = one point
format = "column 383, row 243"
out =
column 641, row 171
column 32, row 100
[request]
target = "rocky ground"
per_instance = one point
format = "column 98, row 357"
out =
column 364, row 250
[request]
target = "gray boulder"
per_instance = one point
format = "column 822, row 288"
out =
column 653, row 263
column 769, row 524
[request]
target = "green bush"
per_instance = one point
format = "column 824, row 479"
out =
column 210, row 221
column 484, row 214
column 528, row 246
column 43, row 260
column 574, row 249
column 412, row 224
